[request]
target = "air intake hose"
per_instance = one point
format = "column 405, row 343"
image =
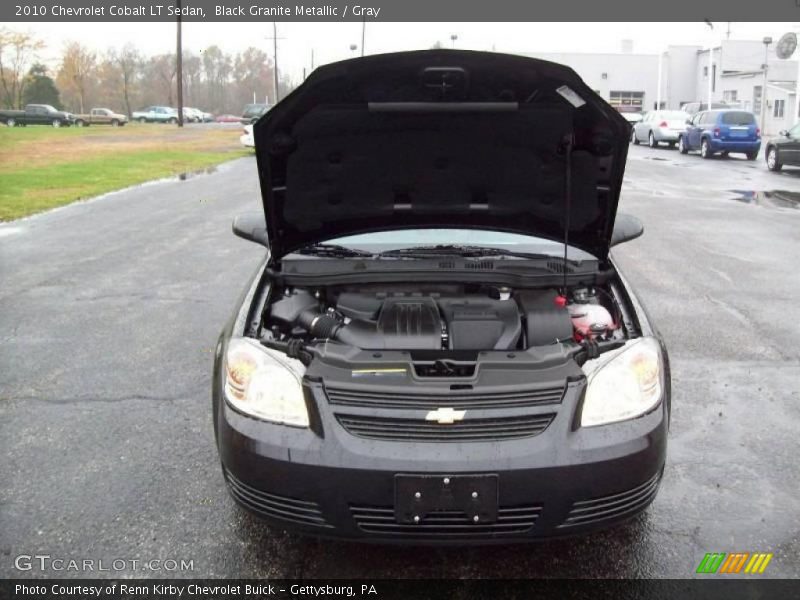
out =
column 319, row 324
column 362, row 334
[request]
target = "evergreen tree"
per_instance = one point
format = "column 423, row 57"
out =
column 40, row 87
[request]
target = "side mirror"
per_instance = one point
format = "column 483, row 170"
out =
column 626, row 228
column 784, row 133
column 688, row 121
column 251, row 227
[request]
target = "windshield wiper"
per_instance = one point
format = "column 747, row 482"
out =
column 464, row 252
column 333, row 251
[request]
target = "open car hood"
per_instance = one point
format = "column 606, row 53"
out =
column 441, row 138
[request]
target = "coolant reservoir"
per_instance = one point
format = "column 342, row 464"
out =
column 590, row 320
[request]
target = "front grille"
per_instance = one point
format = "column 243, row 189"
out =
column 456, row 399
column 613, row 506
column 418, row 430
column 445, row 524
column 274, row 506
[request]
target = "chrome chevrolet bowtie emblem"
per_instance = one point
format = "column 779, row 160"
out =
column 445, row 416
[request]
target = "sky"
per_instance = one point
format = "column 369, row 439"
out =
column 332, row 41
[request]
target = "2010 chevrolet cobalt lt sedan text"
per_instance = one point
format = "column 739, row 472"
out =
column 438, row 345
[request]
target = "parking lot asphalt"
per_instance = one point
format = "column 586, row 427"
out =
column 110, row 310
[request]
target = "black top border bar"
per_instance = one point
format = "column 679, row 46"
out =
column 19, row 11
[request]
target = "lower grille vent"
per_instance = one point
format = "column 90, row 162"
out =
column 445, row 524
column 613, row 506
column 274, row 506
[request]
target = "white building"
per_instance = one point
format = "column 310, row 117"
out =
column 630, row 81
column 626, row 80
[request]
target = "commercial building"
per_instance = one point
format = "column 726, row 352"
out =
column 629, row 81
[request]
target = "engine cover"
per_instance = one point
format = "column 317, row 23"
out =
column 410, row 323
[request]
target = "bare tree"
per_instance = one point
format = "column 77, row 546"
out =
column 78, row 68
column 252, row 74
column 127, row 63
column 217, row 70
column 18, row 51
column 192, row 76
column 161, row 70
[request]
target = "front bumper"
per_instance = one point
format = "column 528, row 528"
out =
column 563, row 481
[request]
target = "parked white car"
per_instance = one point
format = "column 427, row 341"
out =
column 195, row 115
column 192, row 115
column 247, row 139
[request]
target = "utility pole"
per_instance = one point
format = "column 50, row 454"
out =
column 275, row 39
column 179, row 65
column 275, row 55
column 710, row 63
column 658, row 86
column 796, row 118
column 767, row 41
column 363, row 33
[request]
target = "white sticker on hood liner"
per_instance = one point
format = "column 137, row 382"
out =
column 571, row 96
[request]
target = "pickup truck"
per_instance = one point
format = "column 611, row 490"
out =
column 156, row 114
column 101, row 116
column 36, row 114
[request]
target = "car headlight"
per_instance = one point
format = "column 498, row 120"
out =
column 627, row 385
column 264, row 383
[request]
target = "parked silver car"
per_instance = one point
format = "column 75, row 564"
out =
column 660, row 126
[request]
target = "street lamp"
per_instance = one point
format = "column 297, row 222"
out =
column 767, row 41
column 710, row 63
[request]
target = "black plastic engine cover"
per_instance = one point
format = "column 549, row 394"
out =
column 480, row 323
column 410, row 323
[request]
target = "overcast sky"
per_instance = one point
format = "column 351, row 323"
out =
column 331, row 41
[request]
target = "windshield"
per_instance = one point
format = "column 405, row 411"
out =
column 410, row 238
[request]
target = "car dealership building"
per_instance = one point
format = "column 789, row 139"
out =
column 629, row 81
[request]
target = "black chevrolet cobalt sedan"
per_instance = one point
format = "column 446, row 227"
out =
column 438, row 346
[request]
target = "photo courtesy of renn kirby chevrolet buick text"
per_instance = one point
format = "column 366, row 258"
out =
column 438, row 345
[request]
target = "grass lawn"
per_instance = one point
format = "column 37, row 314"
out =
column 42, row 167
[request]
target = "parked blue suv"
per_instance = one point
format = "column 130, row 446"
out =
column 724, row 131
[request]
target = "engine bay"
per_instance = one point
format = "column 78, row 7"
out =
column 443, row 317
